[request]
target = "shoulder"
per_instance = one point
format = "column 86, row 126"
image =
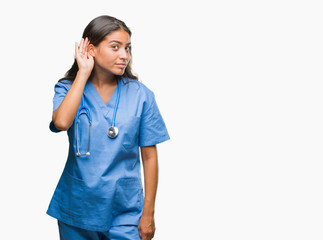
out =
column 139, row 94
column 138, row 88
column 63, row 84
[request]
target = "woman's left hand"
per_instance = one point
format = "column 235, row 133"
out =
column 146, row 227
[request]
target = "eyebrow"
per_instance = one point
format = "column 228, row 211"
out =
column 116, row 41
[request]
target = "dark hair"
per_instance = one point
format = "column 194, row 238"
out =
column 96, row 31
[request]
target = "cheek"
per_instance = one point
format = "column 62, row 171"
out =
column 105, row 57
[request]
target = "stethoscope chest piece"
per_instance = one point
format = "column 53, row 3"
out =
column 113, row 132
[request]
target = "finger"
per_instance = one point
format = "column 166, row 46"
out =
column 89, row 48
column 76, row 49
column 85, row 44
column 146, row 236
column 81, row 45
column 89, row 56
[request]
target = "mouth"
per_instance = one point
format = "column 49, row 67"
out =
column 121, row 65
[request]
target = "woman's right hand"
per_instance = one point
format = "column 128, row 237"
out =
column 83, row 58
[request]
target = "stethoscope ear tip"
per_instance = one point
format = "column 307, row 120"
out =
column 86, row 154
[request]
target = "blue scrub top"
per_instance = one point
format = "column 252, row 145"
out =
column 104, row 189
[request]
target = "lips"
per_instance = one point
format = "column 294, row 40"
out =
column 121, row 65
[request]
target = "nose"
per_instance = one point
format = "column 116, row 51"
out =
column 124, row 54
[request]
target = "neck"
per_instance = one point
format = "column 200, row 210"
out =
column 101, row 78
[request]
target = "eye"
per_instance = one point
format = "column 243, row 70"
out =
column 128, row 48
column 115, row 47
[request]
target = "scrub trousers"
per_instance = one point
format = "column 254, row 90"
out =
column 127, row 232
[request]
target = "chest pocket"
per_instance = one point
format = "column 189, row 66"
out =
column 130, row 130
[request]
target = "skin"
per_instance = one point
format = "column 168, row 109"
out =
column 107, row 60
column 150, row 166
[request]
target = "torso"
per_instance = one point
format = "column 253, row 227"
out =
column 93, row 187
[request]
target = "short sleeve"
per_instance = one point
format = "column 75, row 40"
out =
column 152, row 126
column 61, row 88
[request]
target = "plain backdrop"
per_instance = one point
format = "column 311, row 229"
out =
column 239, row 85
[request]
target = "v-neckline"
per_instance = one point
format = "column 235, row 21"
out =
column 99, row 98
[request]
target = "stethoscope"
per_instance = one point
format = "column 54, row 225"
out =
column 112, row 131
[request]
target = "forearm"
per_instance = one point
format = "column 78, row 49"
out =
column 150, row 166
column 64, row 115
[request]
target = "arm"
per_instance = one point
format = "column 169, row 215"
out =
column 150, row 166
column 64, row 115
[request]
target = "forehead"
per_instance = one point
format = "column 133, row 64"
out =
column 119, row 36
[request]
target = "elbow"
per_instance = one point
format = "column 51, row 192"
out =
column 60, row 122
column 61, row 125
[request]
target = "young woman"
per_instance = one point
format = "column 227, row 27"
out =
column 108, row 114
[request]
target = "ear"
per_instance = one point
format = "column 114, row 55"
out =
column 91, row 49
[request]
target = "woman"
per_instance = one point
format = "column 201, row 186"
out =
column 108, row 114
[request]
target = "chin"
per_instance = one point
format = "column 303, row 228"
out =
column 119, row 73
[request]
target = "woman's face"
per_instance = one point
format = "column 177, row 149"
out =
column 113, row 53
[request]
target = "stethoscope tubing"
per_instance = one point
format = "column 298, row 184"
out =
column 89, row 116
column 116, row 105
